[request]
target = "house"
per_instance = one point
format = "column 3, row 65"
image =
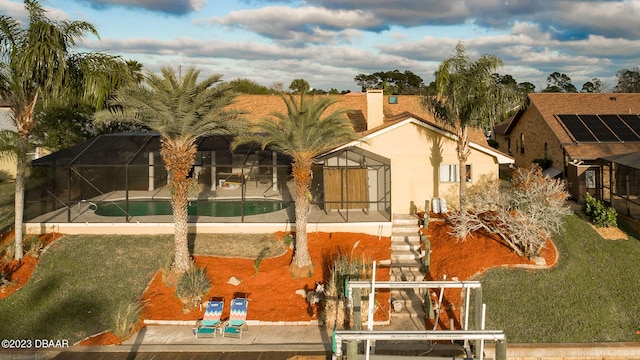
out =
column 405, row 159
column 570, row 132
column 399, row 132
column 7, row 164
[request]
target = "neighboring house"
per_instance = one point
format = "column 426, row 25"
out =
column 572, row 131
column 7, row 165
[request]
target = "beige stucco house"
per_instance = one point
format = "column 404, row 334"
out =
column 398, row 131
column 422, row 154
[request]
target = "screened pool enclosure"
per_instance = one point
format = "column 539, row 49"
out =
column 121, row 178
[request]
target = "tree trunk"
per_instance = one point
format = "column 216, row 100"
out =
column 463, row 155
column 25, row 122
column 179, row 155
column 301, row 169
column 21, row 167
column 182, row 260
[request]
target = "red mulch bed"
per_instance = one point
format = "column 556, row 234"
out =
column 19, row 272
column 272, row 289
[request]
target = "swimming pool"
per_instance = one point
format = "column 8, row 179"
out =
column 223, row 208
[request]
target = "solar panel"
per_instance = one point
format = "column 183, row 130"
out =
column 633, row 121
column 619, row 128
column 576, row 128
column 598, row 129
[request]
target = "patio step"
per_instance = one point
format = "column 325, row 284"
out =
column 406, row 228
column 406, row 246
column 404, row 219
column 406, row 264
column 406, row 255
column 407, row 303
column 406, row 273
column 406, row 236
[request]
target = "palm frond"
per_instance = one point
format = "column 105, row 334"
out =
column 177, row 105
column 8, row 144
column 304, row 128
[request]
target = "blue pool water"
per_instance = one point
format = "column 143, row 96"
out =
column 196, row 208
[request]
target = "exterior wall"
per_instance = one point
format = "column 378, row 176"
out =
column 7, row 165
column 577, row 184
column 416, row 154
column 371, row 228
column 536, row 134
column 7, row 169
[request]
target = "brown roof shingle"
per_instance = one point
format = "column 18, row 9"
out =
column 261, row 107
column 550, row 104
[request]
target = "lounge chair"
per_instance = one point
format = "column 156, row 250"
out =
column 210, row 323
column 237, row 322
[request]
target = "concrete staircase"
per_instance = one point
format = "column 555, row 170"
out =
column 407, row 311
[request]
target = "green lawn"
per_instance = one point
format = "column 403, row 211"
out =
column 592, row 295
column 79, row 283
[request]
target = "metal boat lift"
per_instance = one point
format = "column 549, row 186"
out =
column 466, row 335
column 478, row 335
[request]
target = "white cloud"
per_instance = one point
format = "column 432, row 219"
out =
column 301, row 25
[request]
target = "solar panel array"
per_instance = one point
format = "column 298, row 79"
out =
column 602, row 128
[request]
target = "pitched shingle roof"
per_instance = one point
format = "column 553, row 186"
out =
column 550, row 104
column 261, row 107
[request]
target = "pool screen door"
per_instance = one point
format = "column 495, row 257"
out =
column 346, row 188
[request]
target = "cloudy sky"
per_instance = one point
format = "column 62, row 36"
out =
column 329, row 42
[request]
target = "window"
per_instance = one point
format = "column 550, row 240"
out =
column 393, row 99
column 509, row 145
column 449, row 173
column 521, row 143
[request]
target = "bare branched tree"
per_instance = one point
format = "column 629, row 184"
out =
column 524, row 216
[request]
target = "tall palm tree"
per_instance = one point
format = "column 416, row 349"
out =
column 467, row 96
column 303, row 133
column 39, row 68
column 181, row 110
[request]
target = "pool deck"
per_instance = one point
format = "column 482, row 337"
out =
column 81, row 218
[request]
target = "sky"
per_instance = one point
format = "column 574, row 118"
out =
column 329, row 42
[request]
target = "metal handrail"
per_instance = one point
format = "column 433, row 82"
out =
column 431, row 335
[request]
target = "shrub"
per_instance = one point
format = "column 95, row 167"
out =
column 523, row 215
column 4, row 279
column 598, row 214
column 289, row 240
column 34, row 246
column 8, row 252
column 336, row 311
column 263, row 253
column 192, row 286
column 543, row 163
column 126, row 318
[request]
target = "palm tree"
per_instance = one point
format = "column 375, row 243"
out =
column 181, row 110
column 136, row 70
column 303, row 133
column 39, row 69
column 467, row 96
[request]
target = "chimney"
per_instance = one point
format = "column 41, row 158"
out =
column 375, row 114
